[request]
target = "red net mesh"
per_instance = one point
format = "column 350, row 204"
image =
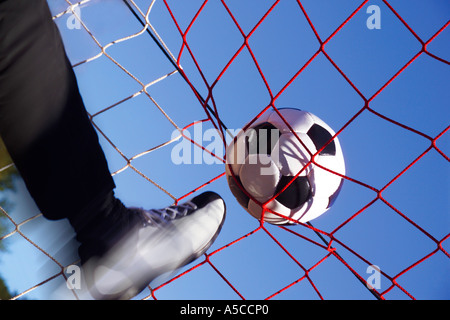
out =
column 330, row 246
column 274, row 95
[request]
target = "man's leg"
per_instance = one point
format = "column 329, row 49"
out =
column 43, row 121
column 45, row 127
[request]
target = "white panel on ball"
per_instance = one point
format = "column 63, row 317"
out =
column 316, row 208
column 299, row 120
column 290, row 155
column 256, row 211
column 259, row 176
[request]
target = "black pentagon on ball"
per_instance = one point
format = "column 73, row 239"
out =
column 320, row 136
column 296, row 194
column 262, row 138
column 236, row 190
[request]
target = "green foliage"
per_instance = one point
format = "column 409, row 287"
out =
column 6, row 183
column 7, row 177
column 4, row 293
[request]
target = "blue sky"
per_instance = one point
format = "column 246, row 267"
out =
column 376, row 150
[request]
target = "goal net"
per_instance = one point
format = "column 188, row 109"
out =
column 168, row 83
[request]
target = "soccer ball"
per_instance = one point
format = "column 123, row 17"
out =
column 271, row 162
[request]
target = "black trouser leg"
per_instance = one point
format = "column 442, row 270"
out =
column 47, row 132
column 43, row 121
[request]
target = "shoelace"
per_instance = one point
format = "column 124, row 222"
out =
column 165, row 215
